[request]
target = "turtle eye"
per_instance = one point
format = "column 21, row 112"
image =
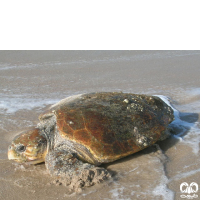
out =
column 21, row 148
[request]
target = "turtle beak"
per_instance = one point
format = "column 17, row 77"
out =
column 12, row 154
column 34, row 162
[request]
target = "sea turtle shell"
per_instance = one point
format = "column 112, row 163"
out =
column 111, row 125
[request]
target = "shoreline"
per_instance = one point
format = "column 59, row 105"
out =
column 30, row 83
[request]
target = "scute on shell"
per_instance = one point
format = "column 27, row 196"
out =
column 112, row 125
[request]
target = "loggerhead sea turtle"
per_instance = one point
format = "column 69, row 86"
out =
column 83, row 131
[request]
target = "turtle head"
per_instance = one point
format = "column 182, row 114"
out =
column 30, row 147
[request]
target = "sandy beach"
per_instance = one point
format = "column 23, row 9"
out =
column 31, row 81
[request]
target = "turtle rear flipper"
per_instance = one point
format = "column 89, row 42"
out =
column 73, row 171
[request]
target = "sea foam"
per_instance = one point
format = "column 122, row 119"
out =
column 192, row 137
column 11, row 105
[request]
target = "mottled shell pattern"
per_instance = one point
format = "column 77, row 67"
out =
column 112, row 125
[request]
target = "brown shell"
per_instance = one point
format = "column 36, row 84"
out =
column 113, row 125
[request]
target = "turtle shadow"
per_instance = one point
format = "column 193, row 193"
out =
column 128, row 158
column 115, row 173
column 179, row 128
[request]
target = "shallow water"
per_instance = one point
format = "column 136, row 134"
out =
column 32, row 81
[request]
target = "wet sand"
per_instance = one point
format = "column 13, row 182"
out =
column 33, row 80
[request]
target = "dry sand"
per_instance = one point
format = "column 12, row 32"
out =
column 33, row 80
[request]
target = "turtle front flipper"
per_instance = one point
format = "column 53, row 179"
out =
column 72, row 171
